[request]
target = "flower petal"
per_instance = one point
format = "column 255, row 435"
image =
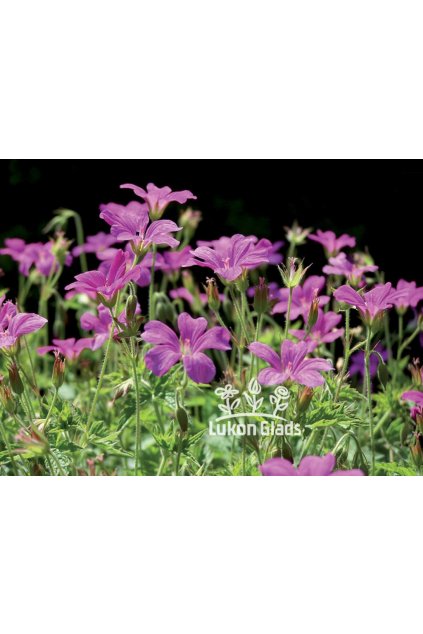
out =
column 200, row 368
column 160, row 359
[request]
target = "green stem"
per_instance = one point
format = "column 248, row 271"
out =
column 407, row 342
column 288, row 313
column 369, row 395
column 52, row 404
column 80, row 238
column 347, row 345
column 137, row 411
column 151, row 307
column 99, row 385
column 9, row 450
column 240, row 316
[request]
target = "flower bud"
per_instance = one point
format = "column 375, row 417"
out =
column 7, row 400
column 58, row 375
column 190, row 219
column 416, row 451
column 383, row 374
column 164, row 309
column 261, row 297
column 293, row 272
column 313, row 312
column 15, row 379
column 212, row 293
column 182, row 418
column 416, row 372
column 304, row 399
column 131, row 308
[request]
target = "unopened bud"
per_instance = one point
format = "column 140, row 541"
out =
column 164, row 310
column 182, row 418
column 416, row 372
column 313, row 312
column 58, row 375
column 7, row 400
column 212, row 293
column 261, row 297
column 131, row 308
column 190, row 219
column 383, row 374
column 15, row 379
column 416, row 451
column 304, row 399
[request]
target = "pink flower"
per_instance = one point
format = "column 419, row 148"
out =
column 353, row 271
column 173, row 261
column 189, row 347
column 370, row 305
column 34, row 254
column 406, row 295
column 233, row 256
column 291, row 365
column 183, row 293
column 415, row 397
column 99, row 244
column 309, row 466
column 323, row 331
column 101, row 324
column 158, row 198
column 69, row 348
column 106, row 286
column 14, row 325
column 330, row 242
column 15, row 248
column 134, row 226
column 302, row 297
column 357, row 361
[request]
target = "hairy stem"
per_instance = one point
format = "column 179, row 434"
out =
column 369, row 395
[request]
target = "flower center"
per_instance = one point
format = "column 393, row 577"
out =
column 186, row 346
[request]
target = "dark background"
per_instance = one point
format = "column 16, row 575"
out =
column 378, row 202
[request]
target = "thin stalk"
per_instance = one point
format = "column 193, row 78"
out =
column 369, row 395
column 99, row 385
column 288, row 313
column 137, row 411
column 80, row 238
column 151, row 307
column 347, row 344
column 9, row 450
column 52, row 404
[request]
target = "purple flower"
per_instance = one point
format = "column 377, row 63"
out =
column 415, row 397
column 69, row 348
column 406, row 295
column 173, row 261
column 193, row 339
column 14, row 325
column 233, row 256
column 101, row 325
column 370, row 305
column 323, row 331
column 158, row 198
column 309, row 466
column 134, row 226
column 353, row 271
column 36, row 254
column 291, row 365
column 99, row 244
column 106, row 286
column 302, row 297
column 15, row 248
column 330, row 242
column 357, row 361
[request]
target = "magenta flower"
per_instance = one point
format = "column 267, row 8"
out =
column 172, row 261
column 13, row 326
column 158, row 198
column 353, row 271
column 99, row 244
column 232, row 257
column 101, row 324
column 68, row 348
column 370, row 305
column 331, row 243
column 184, row 293
column 291, row 365
column 189, row 347
column 33, row 254
column 16, row 249
column 7, row 311
column 106, row 286
column 406, row 295
column 323, row 331
column 415, row 397
column 302, row 297
column 309, row 466
column 134, row 226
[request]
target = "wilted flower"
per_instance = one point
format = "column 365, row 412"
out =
column 331, row 243
column 353, row 271
column 309, row 466
column 323, row 331
column 58, row 375
column 193, row 339
column 158, row 198
column 293, row 272
column 233, row 256
column 370, row 305
column 302, row 297
column 290, row 365
column 106, row 286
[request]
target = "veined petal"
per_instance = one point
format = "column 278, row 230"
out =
column 158, row 333
column 265, row 352
column 200, row 368
column 317, row 465
column 160, row 359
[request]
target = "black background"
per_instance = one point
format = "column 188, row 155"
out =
column 380, row 202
